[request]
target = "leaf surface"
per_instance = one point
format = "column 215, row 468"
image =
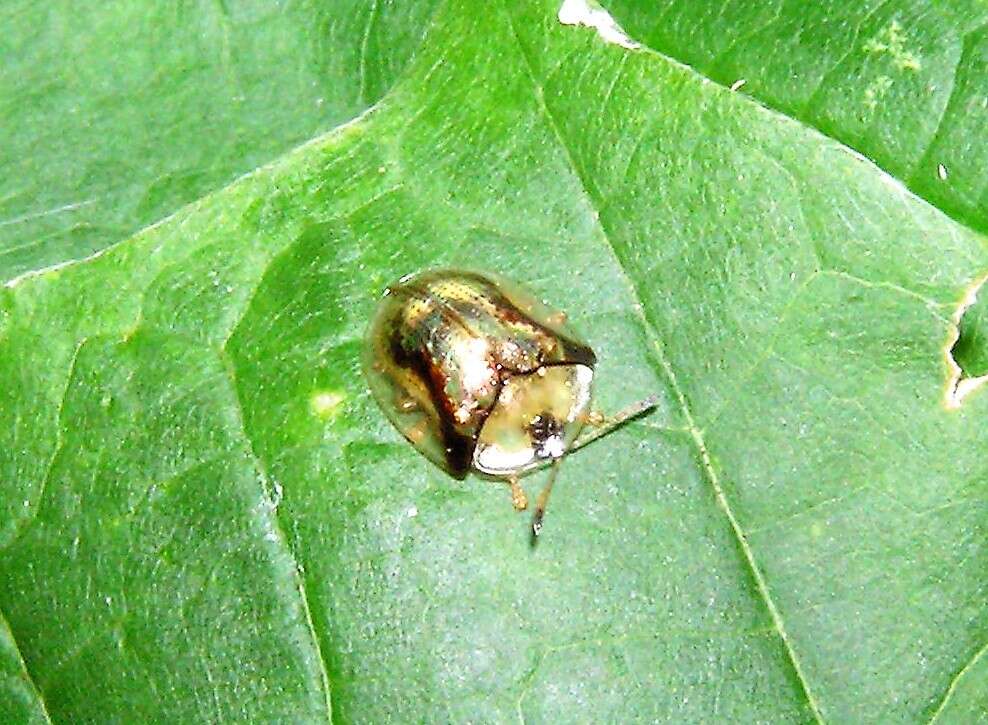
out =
column 904, row 83
column 116, row 114
column 207, row 518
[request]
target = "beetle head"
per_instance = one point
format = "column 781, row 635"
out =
column 536, row 418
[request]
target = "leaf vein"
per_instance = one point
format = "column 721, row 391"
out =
column 27, row 674
column 695, row 433
column 280, row 533
column 925, row 160
column 952, row 687
column 22, row 527
column 364, row 45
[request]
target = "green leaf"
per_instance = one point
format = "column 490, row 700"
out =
column 970, row 351
column 117, row 114
column 19, row 700
column 904, row 83
column 205, row 516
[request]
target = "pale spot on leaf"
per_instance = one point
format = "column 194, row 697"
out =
column 326, row 403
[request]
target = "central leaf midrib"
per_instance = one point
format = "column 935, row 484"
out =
column 696, row 434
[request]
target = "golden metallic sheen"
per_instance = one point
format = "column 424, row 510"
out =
column 454, row 357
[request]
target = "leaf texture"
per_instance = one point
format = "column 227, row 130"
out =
column 796, row 534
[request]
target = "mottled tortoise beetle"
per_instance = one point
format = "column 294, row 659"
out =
column 479, row 375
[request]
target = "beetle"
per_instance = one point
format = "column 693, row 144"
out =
column 479, row 375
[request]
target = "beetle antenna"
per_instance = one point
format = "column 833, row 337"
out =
column 623, row 416
column 543, row 499
column 633, row 411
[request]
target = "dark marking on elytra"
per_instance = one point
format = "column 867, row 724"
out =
column 457, row 446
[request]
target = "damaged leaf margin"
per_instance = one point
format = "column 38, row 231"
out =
column 959, row 384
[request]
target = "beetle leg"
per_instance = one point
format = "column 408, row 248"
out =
column 605, row 424
column 543, row 500
column 594, row 418
column 518, row 497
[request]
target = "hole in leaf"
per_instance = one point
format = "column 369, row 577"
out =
column 967, row 357
column 971, row 349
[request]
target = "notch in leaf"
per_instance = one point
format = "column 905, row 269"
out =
column 968, row 356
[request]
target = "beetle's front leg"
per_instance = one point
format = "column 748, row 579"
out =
column 594, row 418
column 518, row 497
